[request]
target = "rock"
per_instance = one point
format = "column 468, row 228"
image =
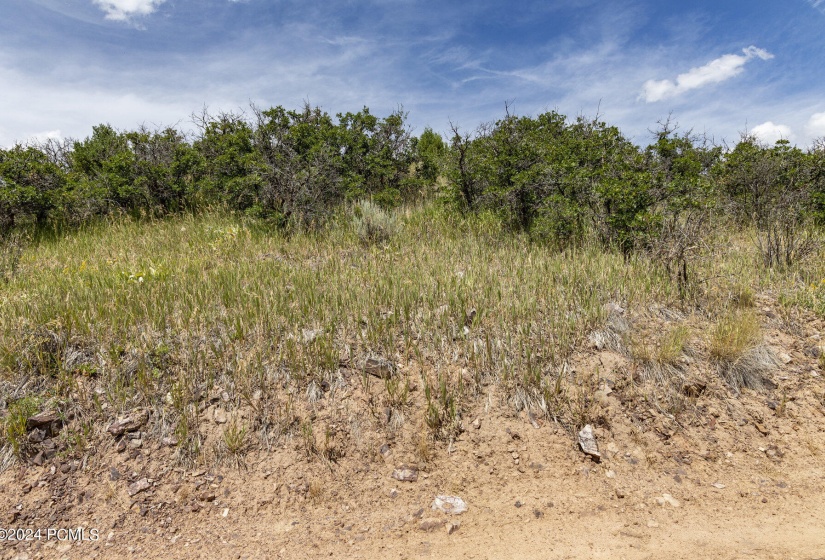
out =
column 452, row 527
column 785, row 358
column 449, row 504
column 121, row 446
column 652, row 524
column 620, row 493
column 139, row 486
column 114, row 474
column 170, row 441
column 385, row 451
column 477, row 423
column 405, row 473
column 37, row 435
column 130, row 423
column 762, row 429
column 379, row 367
column 773, row 452
column 666, row 499
column 39, row 459
column 429, row 524
column 610, row 474
column 136, row 443
column 587, row 442
column 393, row 493
column 42, row 419
column 219, row 416
column 718, row 485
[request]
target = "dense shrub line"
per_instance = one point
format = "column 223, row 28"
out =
column 283, row 165
column 550, row 177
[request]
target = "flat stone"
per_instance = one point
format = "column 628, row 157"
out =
column 41, row 419
column 129, row 423
column 405, row 474
column 379, row 367
column 667, row 499
column 431, row 524
column 139, row 486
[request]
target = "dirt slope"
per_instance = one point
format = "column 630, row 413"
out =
column 733, row 477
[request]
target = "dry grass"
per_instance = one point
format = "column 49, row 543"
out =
column 164, row 314
column 735, row 345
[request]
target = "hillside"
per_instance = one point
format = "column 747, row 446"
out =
column 210, row 387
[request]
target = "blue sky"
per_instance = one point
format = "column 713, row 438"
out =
column 718, row 67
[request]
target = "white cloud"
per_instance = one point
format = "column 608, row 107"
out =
column 122, row 10
column 816, row 125
column 715, row 71
column 770, row 132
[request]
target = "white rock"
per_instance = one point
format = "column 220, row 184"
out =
column 449, row 504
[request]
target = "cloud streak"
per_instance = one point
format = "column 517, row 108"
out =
column 715, row 71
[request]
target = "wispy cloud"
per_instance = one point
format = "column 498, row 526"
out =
column 124, row 10
column 818, row 5
column 715, row 71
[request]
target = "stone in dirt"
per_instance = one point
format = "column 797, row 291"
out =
column 37, row 436
column 449, row 504
column 379, row 367
column 453, row 527
column 428, row 525
column 668, row 499
column 41, row 419
column 587, row 442
column 129, row 423
column 405, row 473
column 139, row 486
